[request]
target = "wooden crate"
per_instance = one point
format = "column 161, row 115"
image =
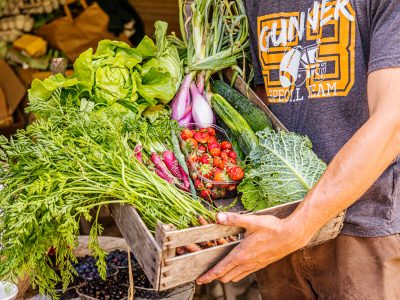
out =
column 156, row 254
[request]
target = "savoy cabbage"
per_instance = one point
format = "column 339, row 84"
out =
column 282, row 169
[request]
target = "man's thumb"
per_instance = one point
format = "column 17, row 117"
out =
column 237, row 220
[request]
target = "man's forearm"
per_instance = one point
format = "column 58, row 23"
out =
column 350, row 174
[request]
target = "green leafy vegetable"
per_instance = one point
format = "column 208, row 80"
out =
column 74, row 159
column 282, row 169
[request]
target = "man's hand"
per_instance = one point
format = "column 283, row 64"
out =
column 267, row 239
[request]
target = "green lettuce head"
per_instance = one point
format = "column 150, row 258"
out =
column 107, row 75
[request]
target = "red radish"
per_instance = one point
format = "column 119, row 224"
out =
column 160, row 166
column 138, row 152
column 185, row 178
column 162, row 175
column 172, row 164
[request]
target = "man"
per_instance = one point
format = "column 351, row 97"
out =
column 331, row 70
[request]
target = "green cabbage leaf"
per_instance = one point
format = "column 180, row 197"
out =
column 282, row 169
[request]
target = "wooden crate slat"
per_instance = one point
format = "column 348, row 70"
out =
column 199, row 234
column 183, row 269
column 213, row 231
column 139, row 239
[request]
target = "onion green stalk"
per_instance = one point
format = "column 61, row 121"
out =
column 216, row 34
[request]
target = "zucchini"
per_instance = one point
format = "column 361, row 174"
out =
column 235, row 143
column 235, row 122
column 254, row 116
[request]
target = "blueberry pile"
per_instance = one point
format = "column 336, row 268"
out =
column 140, row 279
column 119, row 258
column 70, row 292
column 149, row 294
column 87, row 269
column 104, row 290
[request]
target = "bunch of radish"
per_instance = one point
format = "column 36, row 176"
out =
column 166, row 166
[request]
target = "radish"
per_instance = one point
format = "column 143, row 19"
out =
column 138, row 152
column 162, row 175
column 172, row 164
column 185, row 178
column 160, row 166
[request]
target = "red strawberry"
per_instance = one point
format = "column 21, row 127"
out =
column 202, row 137
column 226, row 145
column 236, row 173
column 232, row 154
column 206, row 170
column 220, row 176
column 186, row 134
column 205, row 194
column 205, row 158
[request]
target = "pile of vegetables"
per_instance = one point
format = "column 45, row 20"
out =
column 107, row 135
column 83, row 152
column 281, row 167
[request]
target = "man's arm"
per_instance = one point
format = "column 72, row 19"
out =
column 350, row 174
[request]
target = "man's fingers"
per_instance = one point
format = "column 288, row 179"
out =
column 235, row 272
column 241, row 276
column 232, row 219
column 224, row 266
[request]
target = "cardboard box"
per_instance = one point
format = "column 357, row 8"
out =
column 12, row 91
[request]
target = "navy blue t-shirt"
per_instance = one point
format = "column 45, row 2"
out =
column 314, row 58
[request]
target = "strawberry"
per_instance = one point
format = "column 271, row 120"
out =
column 212, row 139
column 232, row 154
column 224, row 156
column 215, row 151
column 199, row 184
column 225, row 145
column 217, row 161
column 193, row 158
column 205, row 194
column 202, row 149
column 212, row 145
column 205, row 158
column 186, row 134
column 220, row 176
column 191, row 144
column 211, row 131
column 202, row 137
column 236, row 173
column 206, row 170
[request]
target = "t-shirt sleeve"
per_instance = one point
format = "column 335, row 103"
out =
column 385, row 34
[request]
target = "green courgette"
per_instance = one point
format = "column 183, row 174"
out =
column 254, row 116
column 233, row 139
column 236, row 123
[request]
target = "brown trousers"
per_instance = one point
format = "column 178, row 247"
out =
column 345, row 268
